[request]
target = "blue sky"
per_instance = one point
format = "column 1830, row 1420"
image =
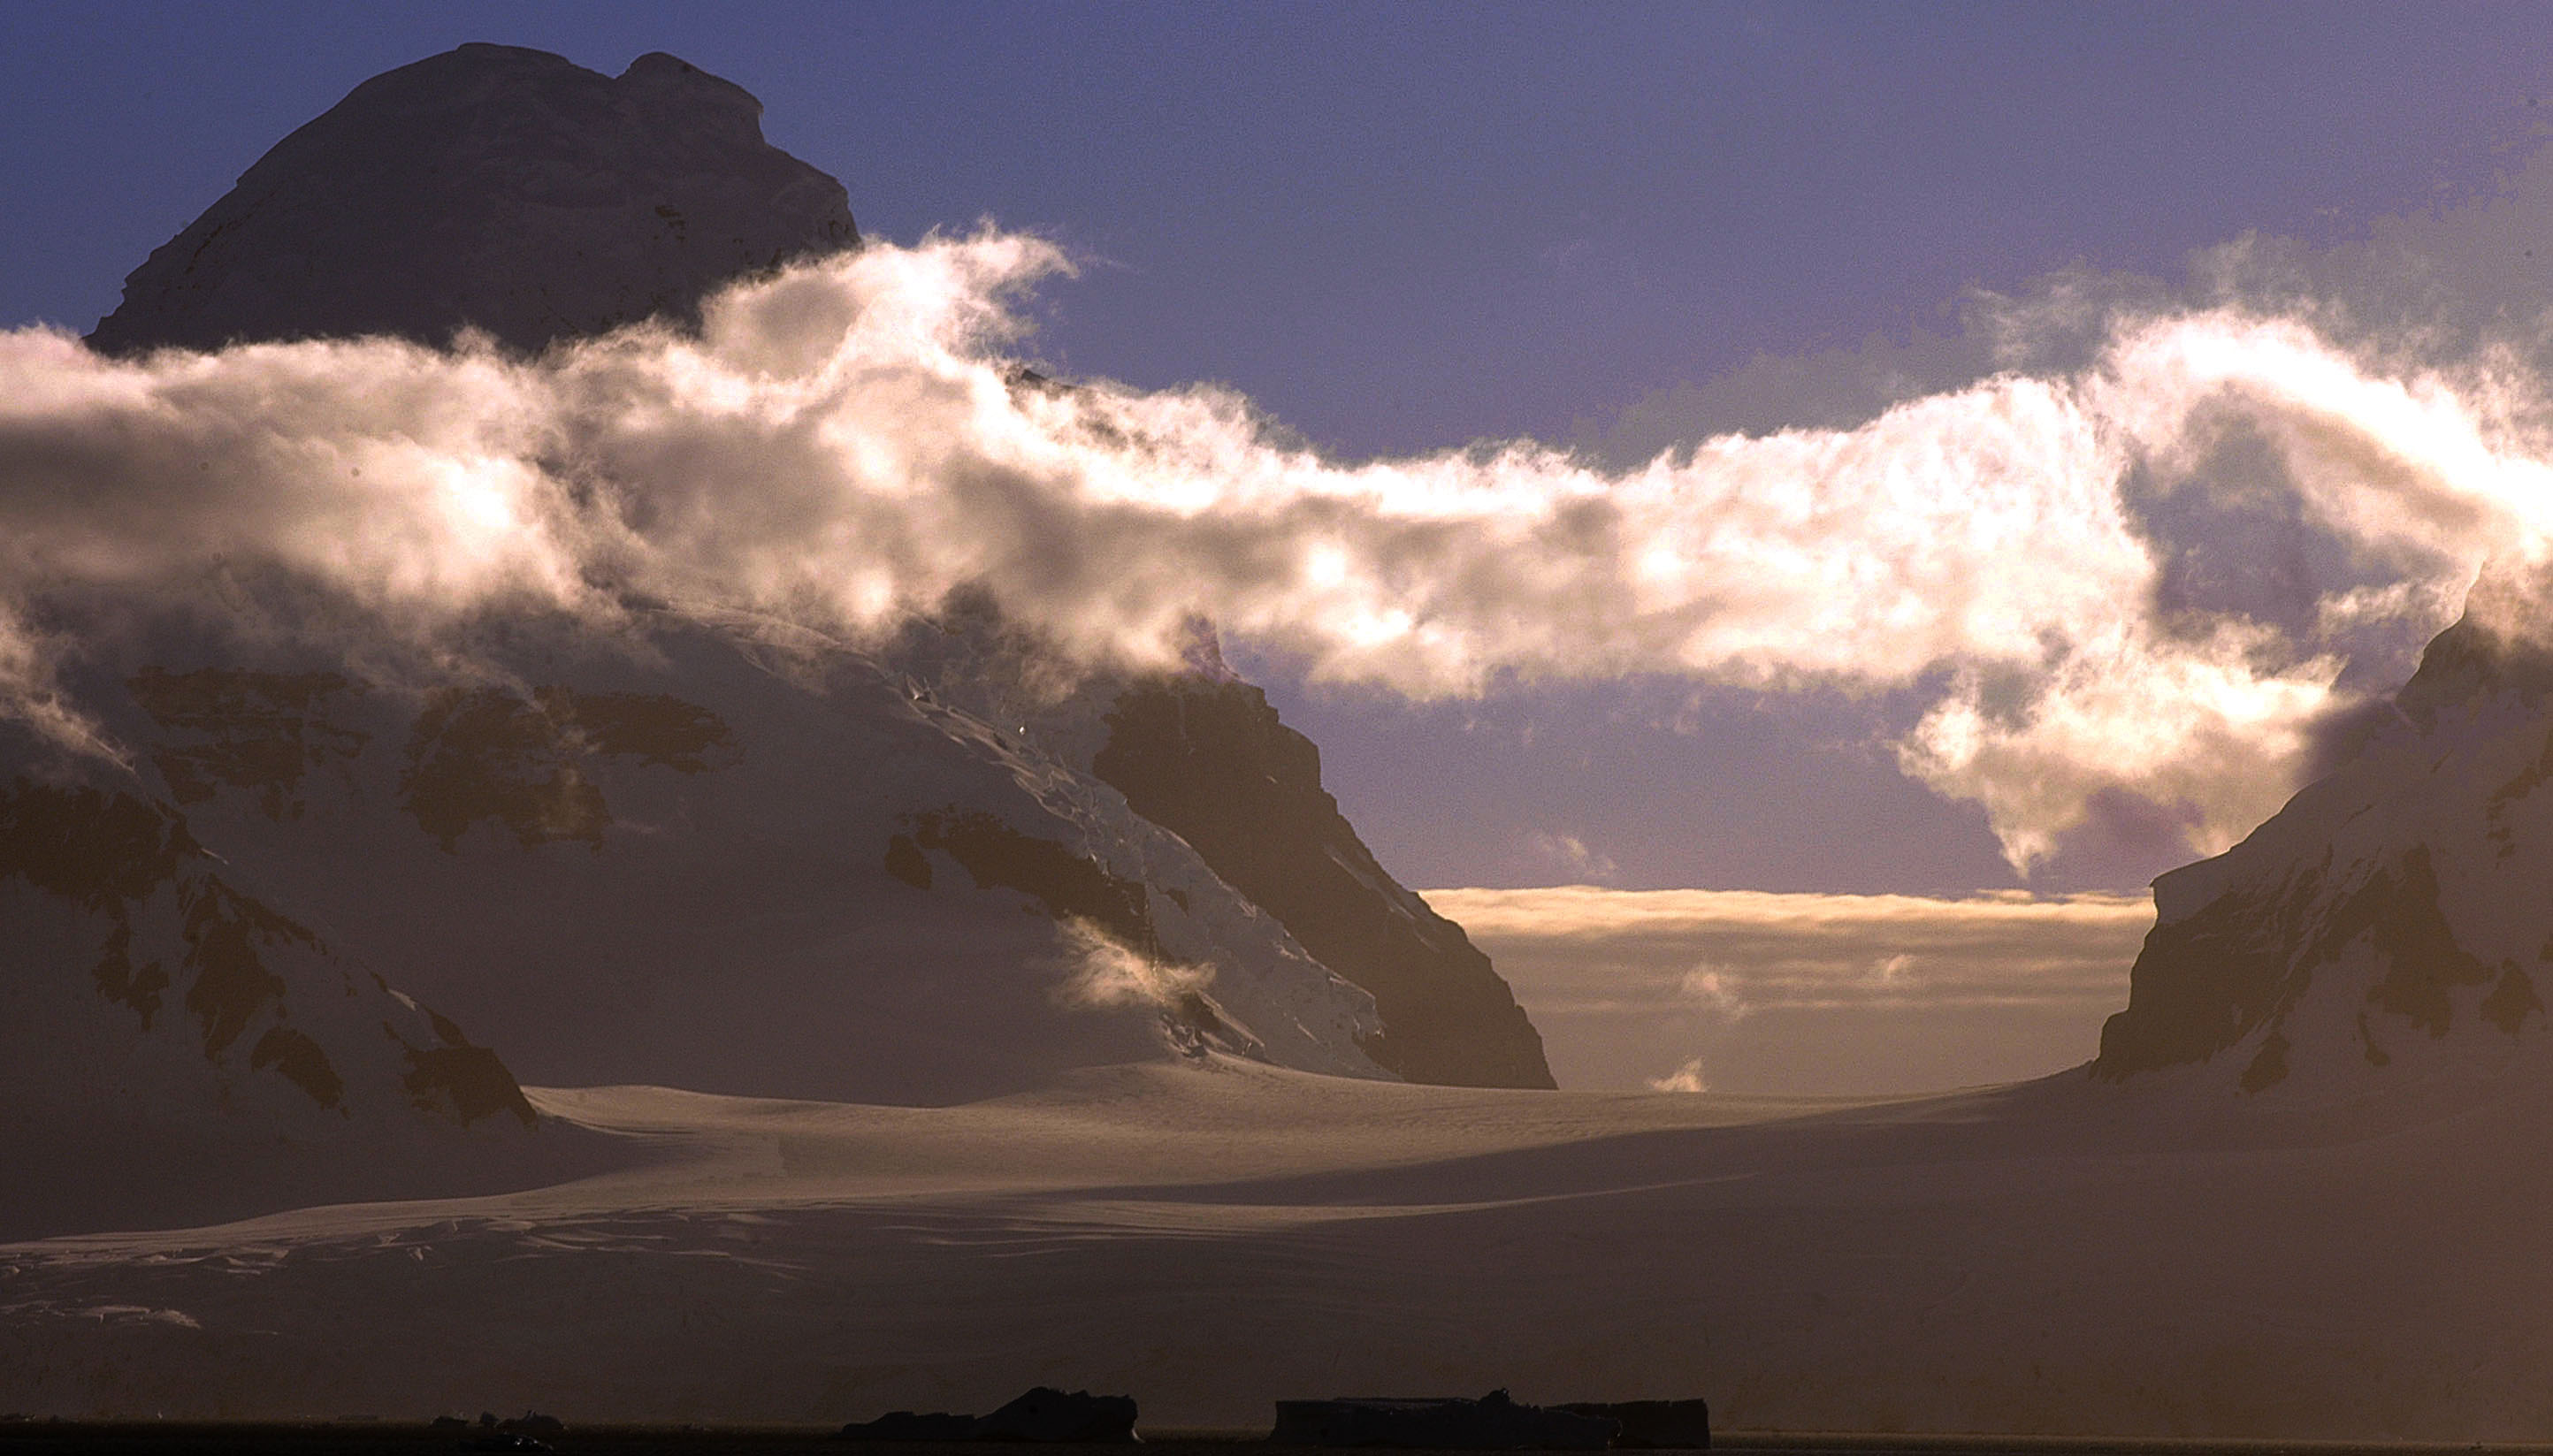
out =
column 1407, row 226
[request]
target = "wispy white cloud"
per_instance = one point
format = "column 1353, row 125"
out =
column 1685, row 1079
column 1564, row 859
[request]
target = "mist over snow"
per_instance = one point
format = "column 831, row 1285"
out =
column 1752, row 992
column 2055, row 558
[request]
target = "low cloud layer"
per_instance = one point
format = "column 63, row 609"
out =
column 1741, row 990
column 847, row 444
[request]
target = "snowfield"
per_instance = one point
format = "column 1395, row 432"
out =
column 2057, row 1257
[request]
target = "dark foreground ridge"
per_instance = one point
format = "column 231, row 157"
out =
column 1044, row 1416
column 1493, row 1423
column 492, row 186
column 384, row 1439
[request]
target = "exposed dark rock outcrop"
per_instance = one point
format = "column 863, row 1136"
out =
column 1069, row 887
column 1652, row 1425
column 999, row 857
column 1210, row 761
column 2205, row 982
column 1044, row 1415
column 1495, row 1423
column 494, row 187
column 2210, row 979
column 231, row 729
column 525, row 763
column 460, row 1080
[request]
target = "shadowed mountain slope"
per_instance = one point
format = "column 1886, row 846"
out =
column 708, row 868
column 1210, row 761
column 180, row 1048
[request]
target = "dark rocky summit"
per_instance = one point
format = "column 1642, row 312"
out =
column 1493, row 1423
column 491, row 187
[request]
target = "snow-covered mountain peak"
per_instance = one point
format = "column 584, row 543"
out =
column 2395, row 921
column 667, row 844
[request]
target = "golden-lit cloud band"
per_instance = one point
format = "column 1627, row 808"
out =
column 1744, row 991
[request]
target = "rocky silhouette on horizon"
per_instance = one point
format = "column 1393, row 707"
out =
column 1042, row 1416
column 1496, row 1421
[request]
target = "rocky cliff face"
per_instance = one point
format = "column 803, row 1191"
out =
column 489, row 188
column 1209, row 760
column 2395, row 919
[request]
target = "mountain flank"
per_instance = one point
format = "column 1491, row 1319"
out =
column 631, row 871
